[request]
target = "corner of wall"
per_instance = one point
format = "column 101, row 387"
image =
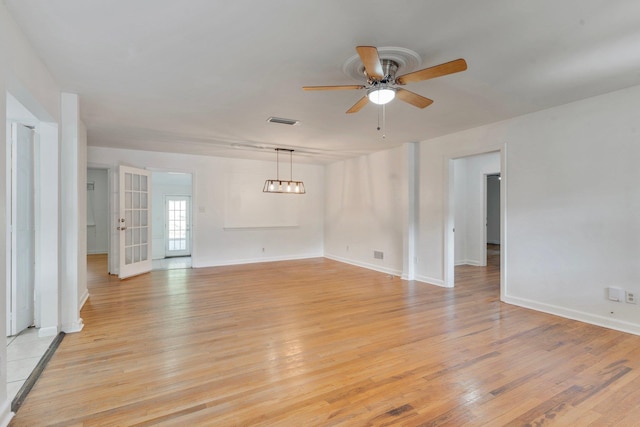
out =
column 5, row 413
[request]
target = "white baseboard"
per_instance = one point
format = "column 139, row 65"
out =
column 368, row 266
column 472, row 262
column 75, row 326
column 199, row 264
column 50, row 331
column 431, row 281
column 84, row 299
column 5, row 413
column 593, row 319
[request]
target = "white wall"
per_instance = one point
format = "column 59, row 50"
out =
column 469, row 206
column 165, row 184
column 214, row 243
column 570, row 178
column 459, row 209
column 23, row 74
column 98, row 212
column 366, row 209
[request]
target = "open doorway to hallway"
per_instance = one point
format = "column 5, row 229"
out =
column 171, row 229
column 171, row 220
column 475, row 210
column 492, row 197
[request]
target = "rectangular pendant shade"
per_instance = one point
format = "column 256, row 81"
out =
column 282, row 185
column 279, row 186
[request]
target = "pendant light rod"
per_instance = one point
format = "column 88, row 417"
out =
column 283, row 186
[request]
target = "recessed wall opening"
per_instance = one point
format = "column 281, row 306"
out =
column 31, row 235
column 474, row 217
column 171, row 220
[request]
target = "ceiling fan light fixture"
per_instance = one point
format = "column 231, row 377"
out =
column 381, row 95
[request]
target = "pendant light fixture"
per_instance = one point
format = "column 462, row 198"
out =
column 282, row 185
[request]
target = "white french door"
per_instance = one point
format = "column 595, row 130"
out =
column 177, row 226
column 21, row 240
column 134, row 224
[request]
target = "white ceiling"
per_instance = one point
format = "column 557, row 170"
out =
column 202, row 76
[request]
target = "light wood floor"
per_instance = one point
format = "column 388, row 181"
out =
column 320, row 343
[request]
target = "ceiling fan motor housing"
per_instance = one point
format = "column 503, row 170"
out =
column 389, row 69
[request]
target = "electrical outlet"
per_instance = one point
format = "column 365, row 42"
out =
column 631, row 297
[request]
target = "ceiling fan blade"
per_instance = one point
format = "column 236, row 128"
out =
column 433, row 72
column 344, row 87
column 413, row 98
column 358, row 105
column 371, row 60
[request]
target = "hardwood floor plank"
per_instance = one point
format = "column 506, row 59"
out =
column 319, row 343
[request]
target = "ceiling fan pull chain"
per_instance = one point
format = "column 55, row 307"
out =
column 379, row 108
column 384, row 121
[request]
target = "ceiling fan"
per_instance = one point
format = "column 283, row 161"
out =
column 382, row 81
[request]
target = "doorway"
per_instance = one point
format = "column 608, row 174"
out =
column 467, row 221
column 32, row 247
column 493, row 215
column 21, row 220
column 177, row 234
column 97, row 211
column 103, row 218
column 171, row 220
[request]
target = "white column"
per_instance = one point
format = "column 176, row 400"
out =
column 410, row 160
column 47, row 218
column 70, row 209
column 5, row 405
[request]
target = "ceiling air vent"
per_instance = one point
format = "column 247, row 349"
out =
column 282, row 121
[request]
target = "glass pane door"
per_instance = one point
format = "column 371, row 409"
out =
column 178, row 230
column 134, row 223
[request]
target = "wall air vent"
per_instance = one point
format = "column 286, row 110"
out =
column 282, row 121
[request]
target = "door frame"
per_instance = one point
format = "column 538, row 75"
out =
column 486, row 211
column 112, row 217
column 194, row 217
column 448, row 266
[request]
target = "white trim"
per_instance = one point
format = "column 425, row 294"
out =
column 265, row 227
column 449, row 237
column 84, row 299
column 253, row 260
column 472, row 262
column 5, row 413
column 48, row 332
column 503, row 221
column 410, row 223
column 431, row 281
column 75, row 326
column 581, row 316
column 368, row 266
